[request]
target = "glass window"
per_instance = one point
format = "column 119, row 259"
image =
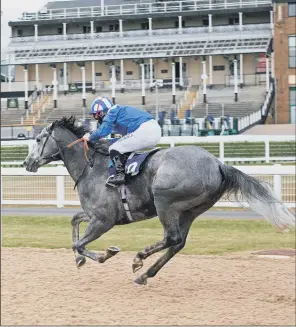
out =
column 292, row 9
column 292, row 51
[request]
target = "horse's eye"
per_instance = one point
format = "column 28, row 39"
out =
column 38, row 140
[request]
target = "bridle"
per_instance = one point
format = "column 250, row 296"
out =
column 60, row 152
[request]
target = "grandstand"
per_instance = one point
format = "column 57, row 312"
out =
column 213, row 57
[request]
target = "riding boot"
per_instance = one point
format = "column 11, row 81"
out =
column 118, row 160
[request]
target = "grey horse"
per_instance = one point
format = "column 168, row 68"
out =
column 177, row 185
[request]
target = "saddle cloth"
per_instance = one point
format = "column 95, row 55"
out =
column 135, row 162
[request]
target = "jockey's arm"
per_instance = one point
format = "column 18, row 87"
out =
column 107, row 125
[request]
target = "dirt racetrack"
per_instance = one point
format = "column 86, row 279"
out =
column 44, row 287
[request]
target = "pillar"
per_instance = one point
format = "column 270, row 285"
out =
column 271, row 21
column 9, row 78
column 120, row 28
column 210, row 23
column 65, row 30
column 181, row 83
column 83, row 86
column 143, row 83
column 26, row 86
column 150, row 25
column 121, row 76
column 65, row 79
column 204, row 79
column 113, row 82
column 240, row 17
column 272, row 65
column 180, row 25
column 235, row 80
column 241, row 70
column 93, row 77
column 267, row 73
column 151, row 73
column 174, row 82
column 92, row 29
column 102, row 7
column 210, row 72
column 55, row 86
column 36, row 32
column 37, row 78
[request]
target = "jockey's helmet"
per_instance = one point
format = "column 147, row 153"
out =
column 100, row 105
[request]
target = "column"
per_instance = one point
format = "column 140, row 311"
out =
column 9, row 78
column 272, row 65
column 150, row 25
column 92, row 29
column 210, row 23
column 65, row 30
column 241, row 70
column 102, row 7
column 181, row 83
column 120, row 28
column 240, row 17
column 121, row 76
column 271, row 22
column 267, row 73
column 93, row 77
column 26, row 86
column 204, row 79
column 113, row 82
column 83, row 85
column 235, row 79
column 151, row 73
column 55, row 86
column 174, row 82
column 36, row 32
column 180, row 25
column 37, row 78
column 65, row 79
column 143, row 83
column 210, row 72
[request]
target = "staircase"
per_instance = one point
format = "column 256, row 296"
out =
column 38, row 107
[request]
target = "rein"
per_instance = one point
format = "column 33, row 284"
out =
column 85, row 147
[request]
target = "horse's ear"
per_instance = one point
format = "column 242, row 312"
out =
column 52, row 126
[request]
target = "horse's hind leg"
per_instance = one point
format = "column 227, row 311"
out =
column 76, row 220
column 169, row 217
column 186, row 220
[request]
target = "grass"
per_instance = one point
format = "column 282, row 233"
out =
column 206, row 236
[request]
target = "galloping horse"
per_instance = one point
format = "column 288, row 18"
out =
column 177, row 185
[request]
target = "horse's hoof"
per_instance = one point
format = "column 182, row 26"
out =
column 141, row 281
column 137, row 265
column 80, row 261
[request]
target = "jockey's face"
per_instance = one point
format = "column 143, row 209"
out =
column 99, row 116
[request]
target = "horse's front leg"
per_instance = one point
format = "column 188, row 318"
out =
column 96, row 228
column 76, row 220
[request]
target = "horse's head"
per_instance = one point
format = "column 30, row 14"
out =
column 44, row 151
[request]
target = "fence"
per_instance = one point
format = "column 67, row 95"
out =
column 54, row 186
column 238, row 148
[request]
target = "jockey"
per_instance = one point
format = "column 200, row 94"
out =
column 138, row 128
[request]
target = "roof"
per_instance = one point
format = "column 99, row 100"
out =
column 83, row 3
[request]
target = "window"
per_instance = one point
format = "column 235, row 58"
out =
column 129, row 73
column 292, row 51
column 19, row 33
column 205, row 22
column 177, row 23
column 145, row 26
column 233, row 21
column 99, row 29
column 292, row 105
column 114, row 28
column 219, row 68
column 292, row 9
column 60, row 30
column 86, row 29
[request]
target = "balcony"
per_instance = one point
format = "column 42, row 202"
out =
column 145, row 9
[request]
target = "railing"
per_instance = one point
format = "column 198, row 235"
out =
column 241, row 148
column 144, row 8
column 144, row 33
column 54, row 186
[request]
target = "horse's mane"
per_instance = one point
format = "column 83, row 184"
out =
column 100, row 146
column 69, row 123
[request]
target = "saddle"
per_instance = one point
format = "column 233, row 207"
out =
column 135, row 162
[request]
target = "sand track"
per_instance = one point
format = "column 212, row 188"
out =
column 43, row 287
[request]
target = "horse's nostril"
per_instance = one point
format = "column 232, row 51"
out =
column 25, row 163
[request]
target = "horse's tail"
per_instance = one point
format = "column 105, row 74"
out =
column 259, row 195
